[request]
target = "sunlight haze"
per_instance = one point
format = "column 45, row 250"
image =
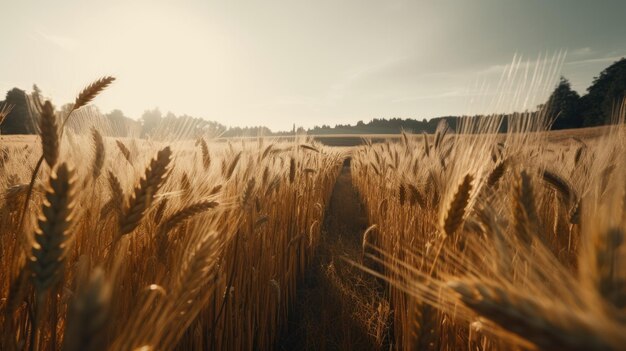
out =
column 276, row 63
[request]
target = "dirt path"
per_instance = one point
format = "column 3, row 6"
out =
column 339, row 307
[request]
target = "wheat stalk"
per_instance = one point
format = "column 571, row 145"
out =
column 48, row 252
column 610, row 283
column 4, row 111
column 88, row 315
column 116, row 203
column 195, row 270
column 426, row 146
column 426, row 323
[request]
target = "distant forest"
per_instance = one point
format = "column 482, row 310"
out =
column 571, row 110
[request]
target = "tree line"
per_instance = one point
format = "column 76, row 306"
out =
column 566, row 106
column 595, row 108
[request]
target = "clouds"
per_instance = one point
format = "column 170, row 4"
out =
column 60, row 41
column 601, row 60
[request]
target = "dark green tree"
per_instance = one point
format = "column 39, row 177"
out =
column 607, row 91
column 564, row 105
column 19, row 120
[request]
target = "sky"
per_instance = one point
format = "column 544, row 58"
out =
column 276, row 63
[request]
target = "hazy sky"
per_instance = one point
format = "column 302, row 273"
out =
column 309, row 62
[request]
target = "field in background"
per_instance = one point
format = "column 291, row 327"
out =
column 358, row 139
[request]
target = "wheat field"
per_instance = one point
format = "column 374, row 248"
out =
column 127, row 244
column 462, row 240
column 497, row 242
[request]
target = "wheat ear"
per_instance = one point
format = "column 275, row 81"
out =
column 49, row 130
column 144, row 192
column 558, row 183
column 402, row 194
column 91, row 91
column 206, row 156
column 232, row 166
column 196, row 269
column 547, row 328
column 309, row 147
column 524, row 209
column 216, row 189
column 497, row 173
column 48, row 251
column 416, row 196
column 247, row 192
column 184, row 214
column 458, row 206
column 292, row 170
column 124, row 150
column 87, row 95
column 98, row 161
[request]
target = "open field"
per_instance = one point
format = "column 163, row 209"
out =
column 359, row 139
column 459, row 241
